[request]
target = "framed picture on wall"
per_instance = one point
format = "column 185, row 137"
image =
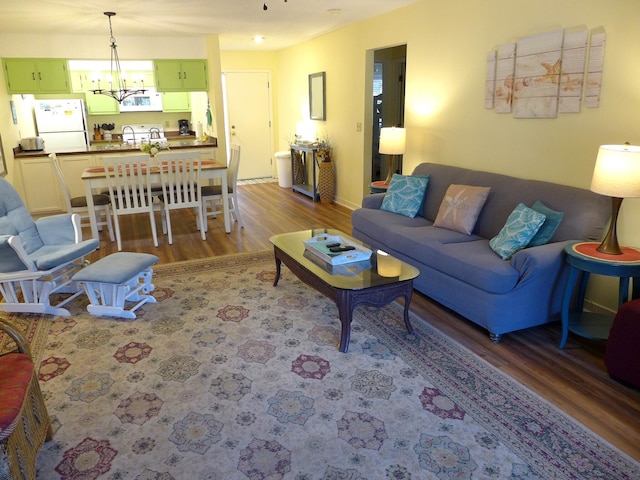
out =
column 3, row 162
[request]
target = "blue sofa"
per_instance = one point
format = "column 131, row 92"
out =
column 461, row 271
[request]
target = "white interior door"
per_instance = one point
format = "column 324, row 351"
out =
column 248, row 116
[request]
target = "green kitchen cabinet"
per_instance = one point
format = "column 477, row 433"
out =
column 36, row 75
column 181, row 75
column 176, row 101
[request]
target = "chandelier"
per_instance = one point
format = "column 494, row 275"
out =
column 118, row 80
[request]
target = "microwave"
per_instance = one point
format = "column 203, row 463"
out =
column 149, row 101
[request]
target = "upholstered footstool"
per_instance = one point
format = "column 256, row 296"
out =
column 622, row 356
column 118, row 278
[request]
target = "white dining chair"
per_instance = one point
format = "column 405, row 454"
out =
column 212, row 194
column 180, row 180
column 78, row 205
column 130, row 190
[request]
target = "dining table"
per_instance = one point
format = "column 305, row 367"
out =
column 95, row 180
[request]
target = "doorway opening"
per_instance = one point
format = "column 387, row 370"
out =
column 389, row 73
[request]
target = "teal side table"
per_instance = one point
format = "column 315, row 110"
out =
column 583, row 257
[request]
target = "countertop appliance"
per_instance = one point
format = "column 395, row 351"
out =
column 62, row 124
column 149, row 101
column 34, row 144
column 183, row 126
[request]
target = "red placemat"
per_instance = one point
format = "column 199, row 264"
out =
column 588, row 249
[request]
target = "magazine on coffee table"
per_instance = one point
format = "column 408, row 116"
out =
column 336, row 250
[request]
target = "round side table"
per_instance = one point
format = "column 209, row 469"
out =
column 583, row 257
column 378, row 187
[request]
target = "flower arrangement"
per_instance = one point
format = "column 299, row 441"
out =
column 324, row 148
column 152, row 148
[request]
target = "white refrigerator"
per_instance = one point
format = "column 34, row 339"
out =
column 62, row 124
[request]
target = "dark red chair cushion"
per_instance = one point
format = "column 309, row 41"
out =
column 16, row 371
column 622, row 356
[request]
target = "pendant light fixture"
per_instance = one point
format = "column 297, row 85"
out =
column 117, row 82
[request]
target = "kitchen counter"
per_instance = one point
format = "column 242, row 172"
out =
column 175, row 143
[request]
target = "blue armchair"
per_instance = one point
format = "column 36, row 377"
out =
column 38, row 258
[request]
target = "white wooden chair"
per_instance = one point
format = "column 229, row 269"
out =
column 101, row 202
column 180, row 178
column 130, row 190
column 212, row 194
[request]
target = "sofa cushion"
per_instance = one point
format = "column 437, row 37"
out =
column 549, row 226
column 465, row 257
column 519, row 229
column 384, row 225
column 405, row 195
column 460, row 207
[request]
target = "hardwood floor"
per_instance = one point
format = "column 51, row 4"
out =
column 574, row 379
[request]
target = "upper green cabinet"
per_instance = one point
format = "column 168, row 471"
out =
column 36, row 75
column 181, row 75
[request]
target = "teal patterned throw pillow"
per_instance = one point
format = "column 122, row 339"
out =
column 523, row 223
column 405, row 195
column 549, row 226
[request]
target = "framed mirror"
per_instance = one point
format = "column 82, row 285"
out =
column 317, row 100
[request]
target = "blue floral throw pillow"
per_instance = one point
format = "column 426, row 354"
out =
column 523, row 223
column 405, row 195
column 549, row 226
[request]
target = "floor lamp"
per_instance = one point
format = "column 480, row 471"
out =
column 617, row 175
column 392, row 142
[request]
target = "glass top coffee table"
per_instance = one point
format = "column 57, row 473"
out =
column 376, row 281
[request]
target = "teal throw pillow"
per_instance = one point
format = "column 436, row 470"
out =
column 549, row 226
column 405, row 195
column 523, row 223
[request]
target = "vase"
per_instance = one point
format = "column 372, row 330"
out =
column 326, row 182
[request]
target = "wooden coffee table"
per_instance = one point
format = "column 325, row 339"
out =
column 347, row 285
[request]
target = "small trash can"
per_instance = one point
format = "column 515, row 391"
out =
column 283, row 161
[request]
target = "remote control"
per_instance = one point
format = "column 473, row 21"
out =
column 331, row 245
column 342, row 249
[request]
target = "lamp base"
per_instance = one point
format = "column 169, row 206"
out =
column 610, row 244
column 389, row 171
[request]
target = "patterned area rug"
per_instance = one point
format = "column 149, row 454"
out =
column 228, row 377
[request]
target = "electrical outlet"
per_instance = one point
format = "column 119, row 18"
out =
column 359, row 127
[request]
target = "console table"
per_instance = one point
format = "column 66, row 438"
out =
column 309, row 167
column 584, row 258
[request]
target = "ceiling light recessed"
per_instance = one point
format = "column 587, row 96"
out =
column 334, row 12
column 258, row 39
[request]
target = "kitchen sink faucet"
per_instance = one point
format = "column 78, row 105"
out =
column 133, row 133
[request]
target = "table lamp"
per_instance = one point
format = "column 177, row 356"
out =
column 616, row 174
column 392, row 142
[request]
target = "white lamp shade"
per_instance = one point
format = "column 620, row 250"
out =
column 392, row 140
column 617, row 171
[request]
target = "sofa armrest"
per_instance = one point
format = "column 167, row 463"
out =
column 373, row 201
column 540, row 259
column 61, row 229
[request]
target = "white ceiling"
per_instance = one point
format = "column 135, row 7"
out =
column 284, row 23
